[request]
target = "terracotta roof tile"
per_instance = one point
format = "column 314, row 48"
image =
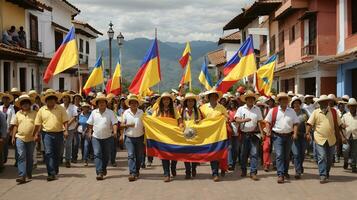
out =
column 217, row 57
column 231, row 38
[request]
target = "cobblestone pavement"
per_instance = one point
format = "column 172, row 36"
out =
column 79, row 182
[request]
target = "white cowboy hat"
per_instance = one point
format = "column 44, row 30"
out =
column 352, row 102
column 133, row 97
column 33, row 93
column 295, row 98
column 282, row 95
column 190, row 96
column 291, row 93
column 323, row 98
column 15, row 91
column 345, row 97
column 333, row 98
column 23, row 98
column 99, row 97
column 214, row 91
column 50, row 93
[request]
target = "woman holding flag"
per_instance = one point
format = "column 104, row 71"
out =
column 190, row 112
column 165, row 108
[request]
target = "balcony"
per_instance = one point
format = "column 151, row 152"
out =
column 290, row 5
column 35, row 45
column 281, row 56
column 308, row 50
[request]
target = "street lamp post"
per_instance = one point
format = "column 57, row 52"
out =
column 120, row 40
column 110, row 35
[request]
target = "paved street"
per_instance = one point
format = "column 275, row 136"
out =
column 79, row 182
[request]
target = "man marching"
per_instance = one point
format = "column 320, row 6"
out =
column 249, row 117
column 282, row 125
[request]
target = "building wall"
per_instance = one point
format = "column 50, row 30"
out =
column 11, row 15
column 256, row 38
column 328, row 85
column 345, row 78
column 230, row 49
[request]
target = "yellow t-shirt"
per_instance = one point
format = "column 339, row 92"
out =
column 52, row 120
column 209, row 112
column 324, row 127
column 25, row 122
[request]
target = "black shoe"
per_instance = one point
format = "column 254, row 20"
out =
column 297, row 176
column 104, row 172
column 100, row 177
column 243, row 174
column 29, row 176
column 287, row 176
column 188, row 176
column 323, row 180
column 114, row 164
column 143, row 166
column 345, row 165
column 354, row 170
column 68, row 164
column 21, row 180
column 194, row 173
column 51, row 178
column 173, row 173
column 223, row 173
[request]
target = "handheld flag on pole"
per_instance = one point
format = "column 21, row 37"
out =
column 65, row 57
column 244, row 65
column 204, row 77
column 186, row 56
column 115, row 84
column 149, row 72
column 264, row 76
column 96, row 76
column 186, row 78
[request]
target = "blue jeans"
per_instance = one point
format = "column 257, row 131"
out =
column 282, row 146
column 250, row 145
column 298, row 148
column 214, row 167
column 350, row 152
column 68, row 145
column 135, row 147
column 53, row 143
column 190, row 167
column 113, row 149
column 167, row 165
column 325, row 154
column 75, row 145
column 233, row 151
column 101, row 148
column 25, row 157
column 86, row 147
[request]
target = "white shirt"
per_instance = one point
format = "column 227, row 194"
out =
column 102, row 123
column 10, row 113
column 130, row 118
column 284, row 120
column 71, row 112
column 351, row 123
column 254, row 114
column 309, row 108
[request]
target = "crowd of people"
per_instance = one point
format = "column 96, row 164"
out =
column 268, row 131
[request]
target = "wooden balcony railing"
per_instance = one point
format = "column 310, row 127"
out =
column 281, row 56
column 309, row 49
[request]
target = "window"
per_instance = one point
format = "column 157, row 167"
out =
column 81, row 45
column 264, row 39
column 354, row 15
column 23, row 79
column 292, row 34
column 7, row 76
column 34, row 44
column 281, row 40
column 58, row 39
column 312, row 30
column 244, row 36
column 32, row 79
column 272, row 45
column 87, row 47
column 61, row 84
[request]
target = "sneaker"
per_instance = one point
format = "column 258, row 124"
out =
column 51, row 178
column 254, row 177
column 280, row 179
column 100, row 177
column 21, row 180
column 215, row 178
column 68, row 164
column 131, row 178
column 323, row 180
column 167, row 179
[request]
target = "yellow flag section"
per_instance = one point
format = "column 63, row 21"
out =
column 264, row 77
column 202, row 142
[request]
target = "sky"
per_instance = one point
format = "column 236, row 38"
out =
column 175, row 20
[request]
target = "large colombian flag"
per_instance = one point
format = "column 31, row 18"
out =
column 65, row 57
column 96, row 76
column 242, row 64
column 164, row 139
column 264, row 76
column 149, row 72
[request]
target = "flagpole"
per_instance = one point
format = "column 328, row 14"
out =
column 103, row 68
column 158, row 47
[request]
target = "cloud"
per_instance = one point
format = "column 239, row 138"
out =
column 176, row 20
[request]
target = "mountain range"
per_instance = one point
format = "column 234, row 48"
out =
column 170, row 52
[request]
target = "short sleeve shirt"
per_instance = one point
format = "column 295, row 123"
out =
column 72, row 111
column 209, row 112
column 25, row 122
column 130, row 118
column 254, row 114
column 351, row 122
column 102, row 123
column 51, row 120
column 285, row 121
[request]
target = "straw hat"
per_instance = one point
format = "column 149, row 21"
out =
column 333, row 98
column 165, row 94
column 50, row 93
column 324, row 98
column 352, row 102
column 67, row 94
column 33, row 94
column 133, row 97
column 15, row 91
column 291, row 93
column 2, row 95
column 85, row 104
column 23, row 98
column 261, row 101
column 110, row 96
column 282, row 95
column 78, row 95
column 214, row 91
column 341, row 101
column 308, row 96
column 345, row 98
column 100, row 96
column 190, row 96
column 247, row 94
column 295, row 98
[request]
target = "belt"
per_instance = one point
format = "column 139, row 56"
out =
column 49, row 132
column 250, row 133
column 283, row 134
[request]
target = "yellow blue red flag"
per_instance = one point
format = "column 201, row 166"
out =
column 65, row 57
column 264, row 76
column 241, row 65
column 149, row 72
column 204, row 77
column 206, row 143
column 96, row 77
